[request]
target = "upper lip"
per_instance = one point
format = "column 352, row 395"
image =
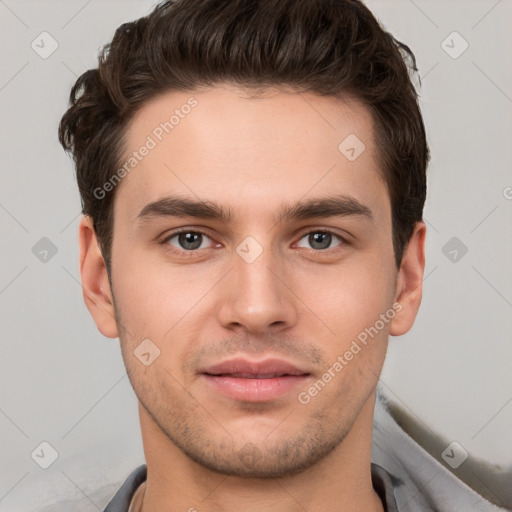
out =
column 246, row 368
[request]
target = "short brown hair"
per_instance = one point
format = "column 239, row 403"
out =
column 326, row 47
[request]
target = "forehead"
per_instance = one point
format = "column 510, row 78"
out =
column 227, row 145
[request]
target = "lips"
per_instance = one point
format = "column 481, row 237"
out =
column 253, row 381
column 246, row 369
column 252, row 375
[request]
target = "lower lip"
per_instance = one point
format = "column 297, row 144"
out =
column 255, row 390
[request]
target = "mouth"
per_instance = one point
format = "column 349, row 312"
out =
column 254, row 381
column 251, row 375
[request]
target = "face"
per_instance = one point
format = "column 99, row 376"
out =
column 252, row 251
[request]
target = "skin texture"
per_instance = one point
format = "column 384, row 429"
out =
column 296, row 302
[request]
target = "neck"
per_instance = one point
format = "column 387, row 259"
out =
column 340, row 481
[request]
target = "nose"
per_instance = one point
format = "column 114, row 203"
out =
column 256, row 296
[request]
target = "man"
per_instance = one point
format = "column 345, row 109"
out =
column 253, row 179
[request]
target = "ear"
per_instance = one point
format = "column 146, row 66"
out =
column 95, row 285
column 409, row 285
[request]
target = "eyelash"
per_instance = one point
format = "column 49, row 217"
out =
column 191, row 253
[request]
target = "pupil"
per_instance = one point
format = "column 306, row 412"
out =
column 190, row 240
column 323, row 239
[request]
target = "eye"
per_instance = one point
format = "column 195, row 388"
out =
column 321, row 240
column 188, row 240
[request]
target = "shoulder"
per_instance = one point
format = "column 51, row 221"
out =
column 114, row 497
column 412, row 453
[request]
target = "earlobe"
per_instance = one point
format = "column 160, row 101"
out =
column 95, row 285
column 410, row 282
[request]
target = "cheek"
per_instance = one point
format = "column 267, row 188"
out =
column 350, row 299
column 160, row 301
column 351, row 305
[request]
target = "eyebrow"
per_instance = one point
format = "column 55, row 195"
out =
column 330, row 206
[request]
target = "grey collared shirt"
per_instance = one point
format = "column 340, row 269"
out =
column 382, row 481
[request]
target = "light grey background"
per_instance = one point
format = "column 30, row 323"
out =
column 64, row 383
